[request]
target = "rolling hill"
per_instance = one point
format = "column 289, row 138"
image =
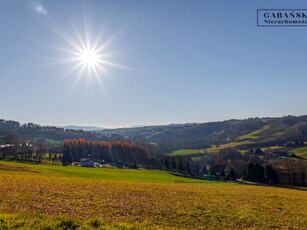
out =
column 248, row 133
column 243, row 134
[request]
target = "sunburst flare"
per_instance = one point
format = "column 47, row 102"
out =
column 88, row 58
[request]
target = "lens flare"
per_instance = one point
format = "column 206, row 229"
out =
column 38, row 7
column 89, row 58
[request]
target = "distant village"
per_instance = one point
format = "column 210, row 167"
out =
column 97, row 163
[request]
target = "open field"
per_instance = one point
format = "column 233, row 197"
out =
column 301, row 152
column 39, row 196
column 253, row 135
column 234, row 144
column 183, row 152
column 298, row 151
column 91, row 173
column 273, row 147
column 49, row 141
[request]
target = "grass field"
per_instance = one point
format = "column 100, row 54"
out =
column 183, row 152
column 273, row 147
column 253, row 135
column 49, row 141
column 234, row 144
column 56, row 197
column 301, row 152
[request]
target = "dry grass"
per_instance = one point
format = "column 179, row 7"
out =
column 152, row 204
column 233, row 144
column 253, row 135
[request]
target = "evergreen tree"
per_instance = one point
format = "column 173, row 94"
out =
column 173, row 163
column 188, row 167
column 250, row 173
column 212, row 171
column 254, row 173
column 205, row 171
column 166, row 163
column 135, row 165
column 67, row 156
column 259, row 173
column 232, row 174
column 222, row 174
column 271, row 174
column 258, row 151
column 181, row 168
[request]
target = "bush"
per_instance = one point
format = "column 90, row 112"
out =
column 68, row 224
column 95, row 223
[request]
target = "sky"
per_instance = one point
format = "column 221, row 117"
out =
column 178, row 61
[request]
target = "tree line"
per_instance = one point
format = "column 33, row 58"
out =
column 231, row 164
column 13, row 148
column 123, row 153
column 258, row 173
column 31, row 130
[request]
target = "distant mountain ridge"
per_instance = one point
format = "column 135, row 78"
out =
column 249, row 133
column 85, row 128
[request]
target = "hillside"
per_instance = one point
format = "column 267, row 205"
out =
column 244, row 134
column 84, row 128
column 248, row 133
column 52, row 134
column 35, row 131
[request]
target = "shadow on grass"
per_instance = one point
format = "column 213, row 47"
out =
column 191, row 177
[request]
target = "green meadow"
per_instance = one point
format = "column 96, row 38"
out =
column 253, row 135
column 143, row 175
column 183, row 152
column 301, row 152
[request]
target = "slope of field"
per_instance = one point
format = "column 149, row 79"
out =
column 234, row 144
column 183, row 152
column 93, row 173
column 253, row 135
column 35, row 196
column 301, row 152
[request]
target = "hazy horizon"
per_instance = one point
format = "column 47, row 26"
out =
column 141, row 125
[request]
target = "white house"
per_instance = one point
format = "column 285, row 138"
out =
column 87, row 162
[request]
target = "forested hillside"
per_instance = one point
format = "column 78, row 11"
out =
column 31, row 131
column 116, row 152
column 268, row 131
column 252, row 132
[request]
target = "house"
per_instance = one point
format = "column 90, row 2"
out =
column 87, row 162
column 293, row 143
column 41, row 141
column 98, row 164
column 226, row 171
column 283, row 154
column 270, row 153
column 222, row 170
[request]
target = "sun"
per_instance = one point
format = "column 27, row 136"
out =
column 89, row 58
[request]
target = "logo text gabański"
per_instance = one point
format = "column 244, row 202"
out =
column 281, row 17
